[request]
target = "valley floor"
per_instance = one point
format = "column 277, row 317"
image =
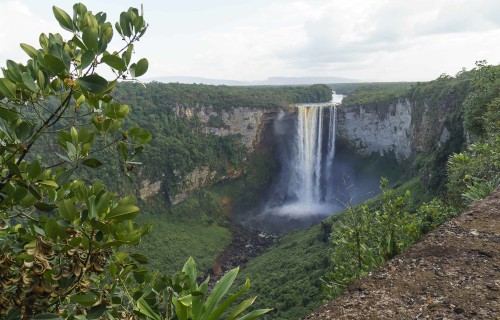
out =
column 452, row 273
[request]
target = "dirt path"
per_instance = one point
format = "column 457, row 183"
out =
column 452, row 273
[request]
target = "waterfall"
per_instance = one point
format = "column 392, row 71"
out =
column 312, row 166
column 331, row 143
column 305, row 188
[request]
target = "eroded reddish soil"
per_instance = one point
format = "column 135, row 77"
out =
column 452, row 273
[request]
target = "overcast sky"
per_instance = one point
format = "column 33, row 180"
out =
column 372, row 40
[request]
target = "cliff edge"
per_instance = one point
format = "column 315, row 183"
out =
column 452, row 273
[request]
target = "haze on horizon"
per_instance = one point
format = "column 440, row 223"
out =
column 386, row 40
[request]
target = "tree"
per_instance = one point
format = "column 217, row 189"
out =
column 364, row 238
column 480, row 101
column 60, row 235
column 474, row 173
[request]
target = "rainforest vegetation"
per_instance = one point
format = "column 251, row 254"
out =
column 74, row 244
column 364, row 236
column 62, row 234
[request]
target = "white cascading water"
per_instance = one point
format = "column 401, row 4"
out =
column 310, row 176
column 312, row 168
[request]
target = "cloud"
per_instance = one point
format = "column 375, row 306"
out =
column 360, row 32
column 19, row 25
column 382, row 40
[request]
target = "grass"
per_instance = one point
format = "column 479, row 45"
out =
column 170, row 243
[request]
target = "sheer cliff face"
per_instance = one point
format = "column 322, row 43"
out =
column 368, row 130
column 403, row 127
column 253, row 127
column 246, row 122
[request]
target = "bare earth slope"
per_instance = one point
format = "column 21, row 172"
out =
column 452, row 273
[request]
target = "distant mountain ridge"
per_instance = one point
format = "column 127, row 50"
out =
column 272, row 81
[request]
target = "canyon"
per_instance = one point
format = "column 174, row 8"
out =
column 403, row 129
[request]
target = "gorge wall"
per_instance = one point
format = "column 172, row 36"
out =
column 253, row 127
column 403, row 128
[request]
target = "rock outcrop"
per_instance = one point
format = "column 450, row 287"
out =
column 251, row 125
column 369, row 130
column 403, row 127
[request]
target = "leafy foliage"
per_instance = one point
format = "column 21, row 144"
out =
column 480, row 107
column 190, row 301
column 363, row 239
column 374, row 94
column 60, row 235
column 182, row 143
column 474, row 173
column 224, row 97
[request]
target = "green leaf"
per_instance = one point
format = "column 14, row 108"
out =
column 93, row 83
column 29, row 50
column 13, row 72
column 145, row 309
column 139, row 68
column 7, row 114
column 29, row 82
column 125, row 24
column 96, row 311
column 64, row 176
column 7, row 88
column 102, row 206
column 55, row 64
column 186, row 301
column 51, row 228
column 92, row 163
column 122, row 148
column 63, row 18
column 190, row 270
column 116, row 110
column 47, row 316
column 44, row 42
column 41, row 79
column 87, row 59
column 79, row 43
column 220, row 290
column 67, row 209
column 34, row 169
column 23, row 130
column 49, row 183
column 123, row 212
column 89, row 37
column 142, row 259
column 114, row 62
column 91, row 206
column 34, row 192
column 241, row 307
column 74, row 134
column 39, row 231
column 254, row 314
column 127, row 55
column 42, row 206
column 226, row 304
column 14, row 169
column 140, row 134
column 19, row 194
column 86, row 300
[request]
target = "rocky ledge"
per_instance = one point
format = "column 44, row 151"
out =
column 452, row 273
